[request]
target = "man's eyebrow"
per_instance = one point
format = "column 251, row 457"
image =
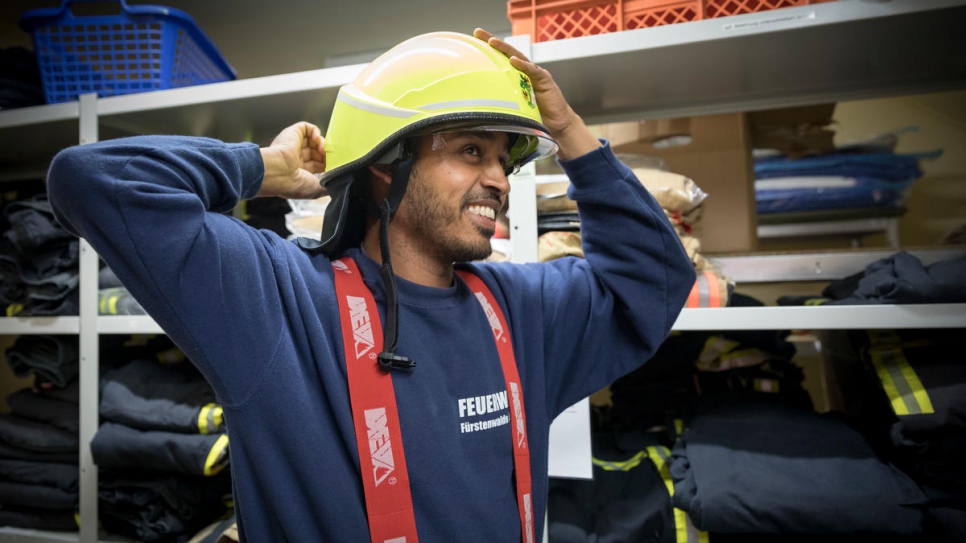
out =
column 484, row 134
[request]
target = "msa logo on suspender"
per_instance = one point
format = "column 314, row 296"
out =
column 490, row 316
column 380, row 448
column 528, row 517
column 518, row 414
column 361, row 327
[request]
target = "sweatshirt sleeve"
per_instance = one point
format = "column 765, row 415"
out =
column 155, row 210
column 607, row 313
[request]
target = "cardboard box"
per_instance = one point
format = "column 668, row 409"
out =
column 794, row 131
column 714, row 151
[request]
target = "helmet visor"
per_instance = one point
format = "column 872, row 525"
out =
column 525, row 144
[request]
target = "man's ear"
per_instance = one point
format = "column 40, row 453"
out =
column 382, row 172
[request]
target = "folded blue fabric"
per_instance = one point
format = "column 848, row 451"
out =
column 763, row 467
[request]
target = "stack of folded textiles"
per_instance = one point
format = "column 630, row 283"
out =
column 38, row 261
column 632, row 495
column 39, row 436
column 914, row 406
column 161, row 448
column 858, row 176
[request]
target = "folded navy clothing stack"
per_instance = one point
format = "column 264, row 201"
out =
column 39, row 272
column 918, row 407
column 838, row 180
column 762, row 466
column 38, row 462
column 161, row 447
column 54, row 359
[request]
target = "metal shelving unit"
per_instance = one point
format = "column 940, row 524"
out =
column 842, row 50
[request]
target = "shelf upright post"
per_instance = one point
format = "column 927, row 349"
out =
column 523, row 198
column 89, row 355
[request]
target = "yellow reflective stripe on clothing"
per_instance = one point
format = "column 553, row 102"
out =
column 107, row 301
column 218, row 456
column 659, row 455
column 900, row 382
column 210, row 418
column 622, row 465
column 685, row 531
column 14, row 309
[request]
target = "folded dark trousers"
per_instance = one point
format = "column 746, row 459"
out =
column 38, row 519
column 188, row 496
column 30, row 405
column 41, row 497
column 118, row 446
column 36, row 436
column 10, row 452
column 119, row 404
column 155, row 506
column 53, row 358
column 56, row 475
column 766, row 467
column 138, row 512
column 180, row 384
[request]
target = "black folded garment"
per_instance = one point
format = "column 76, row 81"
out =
column 763, row 466
column 31, row 405
column 52, row 474
column 38, row 519
column 35, row 436
column 153, row 506
column 36, row 496
column 119, row 446
column 53, row 358
column 122, row 405
column 10, row 452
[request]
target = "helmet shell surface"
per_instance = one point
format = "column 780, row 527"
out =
column 425, row 83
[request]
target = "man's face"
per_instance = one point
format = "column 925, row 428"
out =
column 457, row 187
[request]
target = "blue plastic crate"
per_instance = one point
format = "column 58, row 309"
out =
column 143, row 48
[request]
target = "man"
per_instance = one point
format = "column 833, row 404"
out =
column 452, row 444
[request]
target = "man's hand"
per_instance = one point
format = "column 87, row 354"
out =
column 291, row 162
column 565, row 125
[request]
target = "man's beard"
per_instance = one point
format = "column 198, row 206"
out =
column 430, row 218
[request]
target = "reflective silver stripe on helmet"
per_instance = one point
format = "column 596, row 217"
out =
column 471, row 103
column 372, row 108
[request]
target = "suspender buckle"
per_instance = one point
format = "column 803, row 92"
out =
column 389, row 361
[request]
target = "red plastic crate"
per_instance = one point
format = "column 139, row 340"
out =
column 547, row 20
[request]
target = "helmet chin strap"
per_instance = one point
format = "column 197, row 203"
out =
column 388, row 359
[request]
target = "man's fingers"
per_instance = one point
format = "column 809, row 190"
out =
column 498, row 44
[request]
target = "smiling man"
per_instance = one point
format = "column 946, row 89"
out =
column 378, row 384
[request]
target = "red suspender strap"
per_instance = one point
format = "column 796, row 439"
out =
column 521, row 447
column 389, row 504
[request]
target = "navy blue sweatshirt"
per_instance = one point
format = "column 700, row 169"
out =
column 258, row 316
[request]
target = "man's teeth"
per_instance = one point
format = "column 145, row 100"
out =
column 483, row 210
